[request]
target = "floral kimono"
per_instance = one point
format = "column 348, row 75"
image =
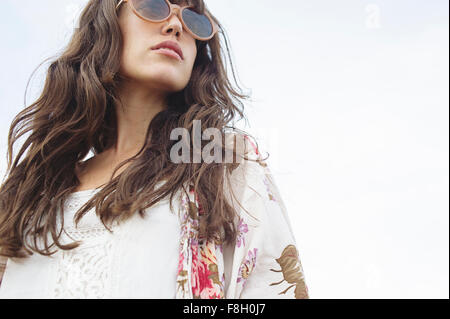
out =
column 264, row 262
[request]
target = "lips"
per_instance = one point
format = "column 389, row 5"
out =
column 171, row 45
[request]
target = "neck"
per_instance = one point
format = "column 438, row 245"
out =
column 140, row 104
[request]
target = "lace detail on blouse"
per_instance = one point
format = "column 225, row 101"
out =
column 84, row 272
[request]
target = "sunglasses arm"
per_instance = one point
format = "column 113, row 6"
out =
column 120, row 2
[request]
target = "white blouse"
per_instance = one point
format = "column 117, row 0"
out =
column 105, row 265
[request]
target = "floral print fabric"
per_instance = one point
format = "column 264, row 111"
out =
column 264, row 263
column 199, row 273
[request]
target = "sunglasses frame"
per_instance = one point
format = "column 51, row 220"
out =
column 173, row 8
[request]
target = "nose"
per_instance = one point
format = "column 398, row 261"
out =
column 173, row 24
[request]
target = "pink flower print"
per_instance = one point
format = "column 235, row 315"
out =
column 180, row 262
column 247, row 266
column 223, row 280
column 210, row 293
column 200, row 274
column 269, row 191
column 242, row 229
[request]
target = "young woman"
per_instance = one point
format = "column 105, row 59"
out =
column 135, row 221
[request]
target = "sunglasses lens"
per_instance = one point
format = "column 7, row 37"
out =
column 199, row 24
column 152, row 9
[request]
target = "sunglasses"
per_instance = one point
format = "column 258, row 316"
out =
column 200, row 26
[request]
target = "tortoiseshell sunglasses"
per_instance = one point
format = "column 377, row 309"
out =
column 200, row 26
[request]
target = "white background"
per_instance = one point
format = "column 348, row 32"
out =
column 351, row 100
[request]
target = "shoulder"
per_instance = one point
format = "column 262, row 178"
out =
column 250, row 157
column 249, row 154
column 249, row 175
column 242, row 142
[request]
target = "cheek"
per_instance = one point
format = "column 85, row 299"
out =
column 134, row 53
column 193, row 56
column 135, row 40
column 126, row 60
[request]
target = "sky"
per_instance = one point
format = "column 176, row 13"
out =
column 350, row 99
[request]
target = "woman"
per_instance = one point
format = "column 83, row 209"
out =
column 135, row 220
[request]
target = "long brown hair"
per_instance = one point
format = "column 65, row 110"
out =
column 75, row 114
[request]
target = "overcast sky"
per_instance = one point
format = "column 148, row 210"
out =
column 351, row 100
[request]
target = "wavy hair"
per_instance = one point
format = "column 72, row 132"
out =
column 75, row 114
